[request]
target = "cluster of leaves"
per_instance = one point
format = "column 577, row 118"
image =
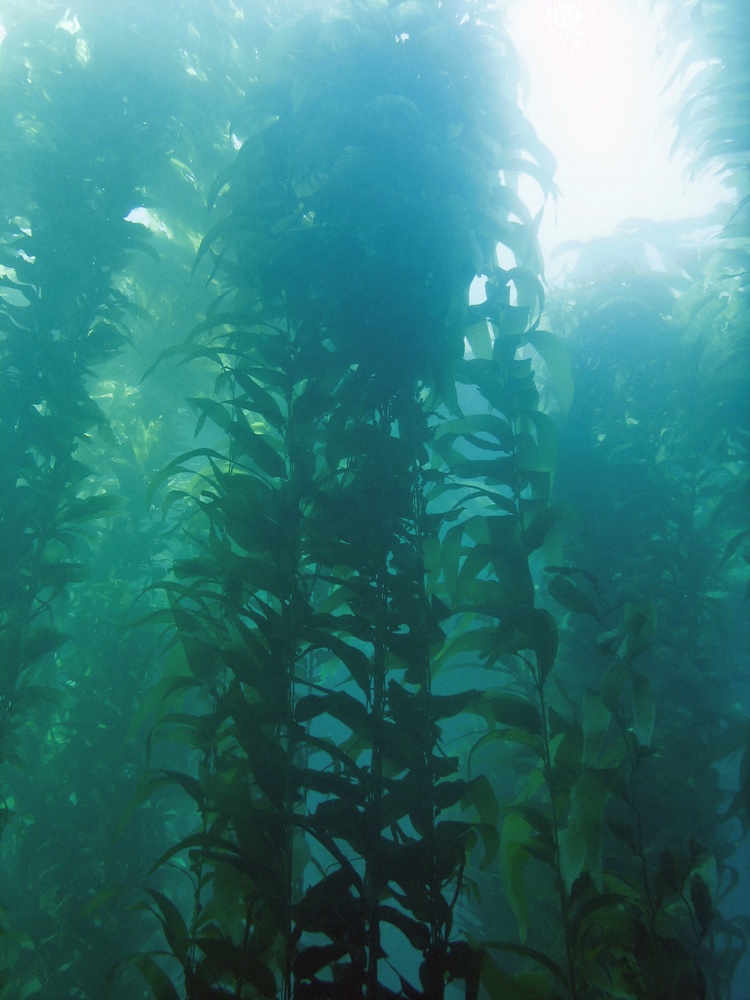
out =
column 711, row 118
column 628, row 814
column 368, row 711
column 350, row 512
column 82, row 147
column 657, row 481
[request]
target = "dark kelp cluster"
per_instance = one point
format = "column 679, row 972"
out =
column 358, row 639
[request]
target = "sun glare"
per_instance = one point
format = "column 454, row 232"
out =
column 596, row 99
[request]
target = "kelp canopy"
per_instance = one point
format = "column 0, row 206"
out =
column 358, row 638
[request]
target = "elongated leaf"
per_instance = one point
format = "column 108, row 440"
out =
column 259, row 400
column 42, row 640
column 481, row 794
column 542, row 523
column 90, row 508
column 155, row 976
column 257, row 447
column 417, row 934
column 512, row 710
column 555, row 354
column 526, row 952
column 568, row 594
column 587, row 911
column 191, row 785
column 177, row 465
column 513, row 858
column 175, row 929
column 519, row 736
column 210, row 409
column 355, row 660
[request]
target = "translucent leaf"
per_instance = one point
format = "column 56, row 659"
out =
column 555, row 354
column 479, row 340
column 513, row 858
column 536, row 532
column 581, row 840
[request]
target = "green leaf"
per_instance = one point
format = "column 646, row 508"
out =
column 520, row 736
column 701, row 899
column 210, row 409
column 555, row 354
column 257, row 448
column 639, row 624
column 496, row 431
column 538, row 453
column 175, row 929
column 591, row 909
column 733, row 544
column 581, row 840
column 512, row 710
column 513, row 858
column 529, row 628
column 567, row 593
column 259, row 400
column 447, row 706
column 479, row 339
column 355, row 660
column 191, row 785
column 90, row 508
column 160, row 983
column 40, row 641
column 480, row 793
column 535, row 534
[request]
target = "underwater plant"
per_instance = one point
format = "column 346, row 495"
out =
column 433, row 690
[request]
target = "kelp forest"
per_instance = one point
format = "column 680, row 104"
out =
column 372, row 609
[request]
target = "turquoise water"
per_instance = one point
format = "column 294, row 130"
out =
column 359, row 637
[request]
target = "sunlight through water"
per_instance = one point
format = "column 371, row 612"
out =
column 595, row 97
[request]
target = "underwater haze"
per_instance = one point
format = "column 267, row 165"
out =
column 373, row 603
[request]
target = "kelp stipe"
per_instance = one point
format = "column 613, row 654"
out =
column 351, row 240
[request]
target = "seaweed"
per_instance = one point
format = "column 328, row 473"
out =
column 359, row 638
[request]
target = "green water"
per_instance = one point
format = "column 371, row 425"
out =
column 358, row 638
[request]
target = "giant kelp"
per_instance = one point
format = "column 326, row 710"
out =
column 354, row 220
column 369, row 708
